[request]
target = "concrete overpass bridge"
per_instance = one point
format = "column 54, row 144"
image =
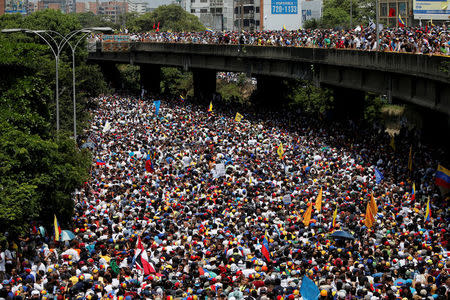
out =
column 418, row 79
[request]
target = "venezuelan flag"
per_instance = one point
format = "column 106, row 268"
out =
column 181, row 98
column 401, row 23
column 428, row 211
column 413, row 192
column 210, row 107
column 57, row 229
column 442, row 177
column 209, row 30
column 265, row 248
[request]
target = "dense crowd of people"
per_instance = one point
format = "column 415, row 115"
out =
column 195, row 194
column 418, row 40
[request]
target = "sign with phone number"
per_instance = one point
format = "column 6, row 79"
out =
column 284, row 7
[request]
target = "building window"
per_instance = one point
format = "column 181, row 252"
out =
column 212, row 10
column 402, row 9
column 203, row 10
column 257, row 23
column 383, row 9
column 392, row 10
column 257, row 9
column 203, row 1
column 248, row 9
column 246, row 22
column 192, row 1
column 219, row 10
column 193, row 10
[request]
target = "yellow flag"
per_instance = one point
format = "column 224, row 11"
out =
column 238, row 117
column 392, row 143
column 307, row 215
column 319, row 201
column 369, row 219
column 210, row 107
column 57, row 229
column 373, row 205
column 444, row 6
column 334, row 217
column 280, row 151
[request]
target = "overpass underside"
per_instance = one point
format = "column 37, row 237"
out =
column 415, row 79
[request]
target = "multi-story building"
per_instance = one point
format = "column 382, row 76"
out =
column 80, row 7
column 248, row 15
column 137, row 7
column 414, row 13
column 53, row 4
column 390, row 10
column 13, row 7
column 92, row 7
column 112, row 10
column 214, row 14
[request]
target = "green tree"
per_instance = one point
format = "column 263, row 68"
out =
column 175, row 82
column 170, row 17
column 336, row 13
column 88, row 19
column 311, row 99
column 38, row 170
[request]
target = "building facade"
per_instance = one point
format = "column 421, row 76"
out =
column 13, row 7
column 248, row 15
column 214, row 14
column 390, row 10
column 112, row 10
column 137, row 7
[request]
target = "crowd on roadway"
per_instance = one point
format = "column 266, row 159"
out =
column 201, row 196
column 418, row 40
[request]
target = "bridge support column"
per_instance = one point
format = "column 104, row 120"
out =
column 151, row 78
column 348, row 103
column 204, row 84
column 269, row 91
column 111, row 74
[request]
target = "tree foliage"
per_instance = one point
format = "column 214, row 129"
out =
column 39, row 171
column 336, row 14
column 170, row 17
column 311, row 99
column 88, row 19
column 175, row 82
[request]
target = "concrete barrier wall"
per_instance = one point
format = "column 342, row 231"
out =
column 430, row 67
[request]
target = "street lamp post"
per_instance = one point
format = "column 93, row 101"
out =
column 56, row 49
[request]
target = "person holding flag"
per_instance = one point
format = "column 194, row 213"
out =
column 265, row 248
column 318, row 204
column 333, row 223
column 280, row 151
column 140, row 260
column 427, row 217
column 210, row 107
column 238, row 117
column 401, row 23
column 307, row 215
column 57, row 229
